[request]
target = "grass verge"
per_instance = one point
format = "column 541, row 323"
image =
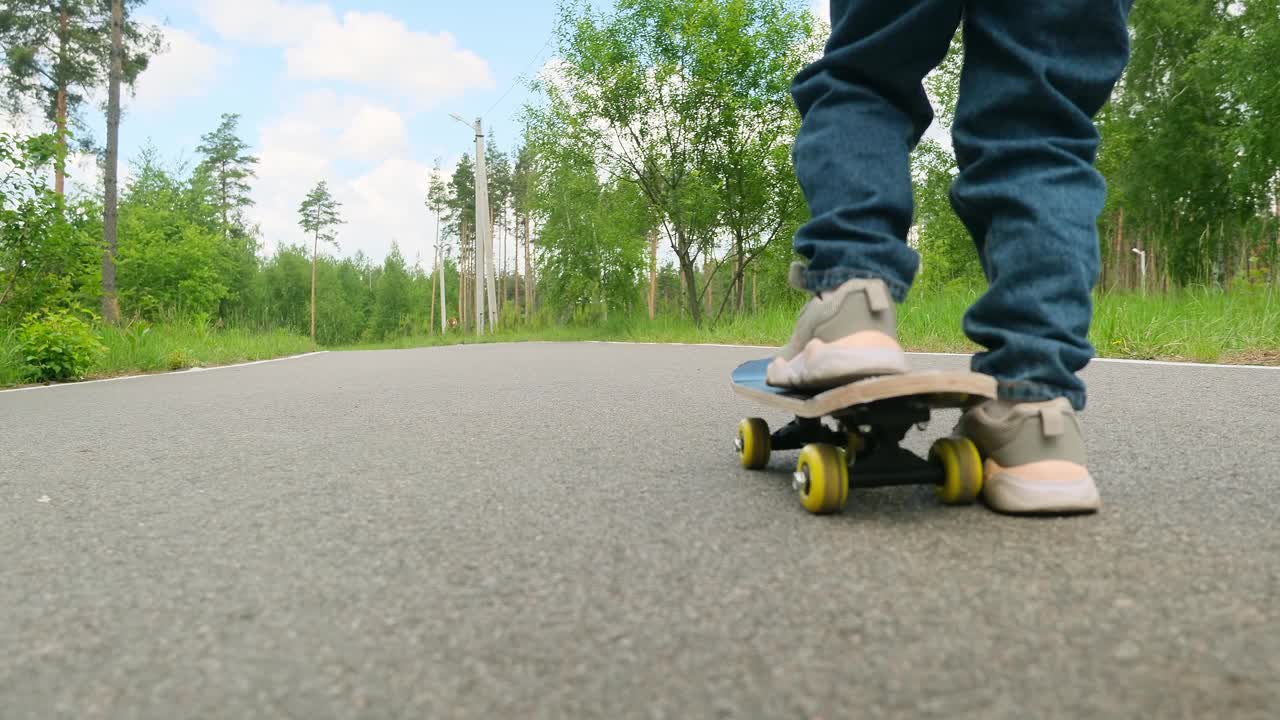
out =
column 1193, row 325
column 1198, row 325
column 137, row 349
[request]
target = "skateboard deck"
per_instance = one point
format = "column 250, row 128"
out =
column 872, row 416
column 937, row 389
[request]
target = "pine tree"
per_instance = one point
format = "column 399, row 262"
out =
column 110, row 216
column 230, row 167
column 318, row 215
column 57, row 51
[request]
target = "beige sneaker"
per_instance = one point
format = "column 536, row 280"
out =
column 842, row 335
column 1034, row 457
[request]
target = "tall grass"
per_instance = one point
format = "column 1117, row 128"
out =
column 1199, row 324
column 12, row 367
column 140, row 348
column 179, row 345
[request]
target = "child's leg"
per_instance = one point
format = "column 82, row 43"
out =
column 1035, row 74
column 862, row 108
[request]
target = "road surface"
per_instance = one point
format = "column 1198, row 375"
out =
column 562, row 531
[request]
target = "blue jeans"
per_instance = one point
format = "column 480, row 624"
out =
column 1035, row 75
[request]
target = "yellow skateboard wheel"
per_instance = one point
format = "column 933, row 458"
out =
column 822, row 478
column 753, row 443
column 961, row 470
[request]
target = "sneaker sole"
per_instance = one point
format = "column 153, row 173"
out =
column 1015, row 496
column 826, row 365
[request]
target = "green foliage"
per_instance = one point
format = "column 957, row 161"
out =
column 173, row 259
column 437, row 192
column 1191, row 149
column 57, row 345
column 462, row 195
column 499, row 172
column 180, row 359
column 64, row 50
column 163, row 346
column 592, row 243
column 947, row 251
column 318, row 215
column 687, row 101
column 225, row 172
column 391, row 298
column 1202, row 324
column 46, row 256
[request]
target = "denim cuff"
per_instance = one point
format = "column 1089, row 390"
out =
column 817, row 281
column 1027, row 391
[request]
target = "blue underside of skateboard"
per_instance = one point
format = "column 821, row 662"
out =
column 751, row 374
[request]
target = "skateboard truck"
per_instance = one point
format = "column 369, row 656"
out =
column 800, row 432
column 872, row 418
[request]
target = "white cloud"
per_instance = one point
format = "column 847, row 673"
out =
column 186, row 69
column 342, row 134
column 368, row 49
column 382, row 200
column 374, row 132
column 378, row 51
column 385, row 205
column 345, row 127
column 264, row 22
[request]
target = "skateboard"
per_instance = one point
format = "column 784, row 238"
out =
column 864, row 450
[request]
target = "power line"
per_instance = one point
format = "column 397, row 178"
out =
column 516, row 81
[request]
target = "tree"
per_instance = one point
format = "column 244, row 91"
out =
column 172, row 261
column 391, row 306
column 318, row 215
column 57, row 51
column 1190, row 147
column 593, row 242
column 229, row 167
column 652, row 89
column 462, row 194
column 48, row 250
column 110, row 218
column 498, row 172
column 523, row 177
column 462, row 221
column 437, row 202
column 225, row 170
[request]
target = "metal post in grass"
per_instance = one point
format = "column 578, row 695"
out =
column 1142, row 269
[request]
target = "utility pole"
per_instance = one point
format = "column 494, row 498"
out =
column 486, row 222
column 444, row 311
column 482, row 251
column 440, row 276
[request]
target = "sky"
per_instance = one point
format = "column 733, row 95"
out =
column 358, row 94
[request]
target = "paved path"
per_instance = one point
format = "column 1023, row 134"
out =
column 561, row 531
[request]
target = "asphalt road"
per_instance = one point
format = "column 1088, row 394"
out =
column 562, row 531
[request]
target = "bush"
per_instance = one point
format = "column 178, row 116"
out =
column 57, row 345
column 180, row 359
